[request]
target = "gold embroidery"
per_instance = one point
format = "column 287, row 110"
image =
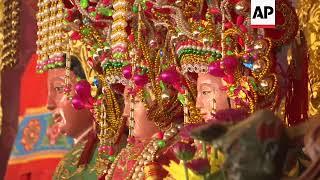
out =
column 309, row 17
column 67, row 168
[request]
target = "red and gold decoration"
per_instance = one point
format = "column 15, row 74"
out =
column 9, row 33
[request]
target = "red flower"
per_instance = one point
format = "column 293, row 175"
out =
column 184, row 151
column 230, row 115
column 199, row 166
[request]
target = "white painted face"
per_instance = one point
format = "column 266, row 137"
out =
column 209, row 91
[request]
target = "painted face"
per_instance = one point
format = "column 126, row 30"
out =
column 72, row 122
column 209, row 91
column 143, row 128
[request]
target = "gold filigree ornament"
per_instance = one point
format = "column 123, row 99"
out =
column 9, row 23
column 309, row 17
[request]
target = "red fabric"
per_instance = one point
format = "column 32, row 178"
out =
column 33, row 93
column 297, row 95
column 289, row 20
column 33, row 170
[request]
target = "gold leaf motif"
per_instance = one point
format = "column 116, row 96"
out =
column 309, row 17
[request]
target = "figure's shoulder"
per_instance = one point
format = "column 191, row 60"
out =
column 68, row 166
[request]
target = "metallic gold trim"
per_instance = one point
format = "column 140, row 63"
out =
column 9, row 21
column 309, row 17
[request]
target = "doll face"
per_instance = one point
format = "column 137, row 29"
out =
column 143, row 128
column 71, row 122
column 210, row 93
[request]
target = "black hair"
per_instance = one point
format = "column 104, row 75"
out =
column 76, row 67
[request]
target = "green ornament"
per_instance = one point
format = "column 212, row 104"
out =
column 228, row 39
column 200, row 28
column 84, row 4
column 94, row 14
column 161, row 143
column 181, row 98
column 120, row 55
column 144, row 6
column 162, row 86
column 106, row 44
column 105, row 11
column 219, row 55
column 111, row 158
column 95, row 46
column 255, row 87
column 135, row 9
column 229, row 53
column 85, row 31
column 211, row 59
column 231, row 89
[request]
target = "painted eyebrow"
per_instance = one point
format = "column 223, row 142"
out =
column 58, row 78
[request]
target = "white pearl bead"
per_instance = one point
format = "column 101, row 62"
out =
column 58, row 44
column 60, row 6
column 137, row 169
column 145, row 155
column 134, row 176
column 140, row 163
column 140, row 175
column 179, row 126
column 174, row 130
column 60, row 15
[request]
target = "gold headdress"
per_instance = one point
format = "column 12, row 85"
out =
column 70, row 30
column 218, row 39
column 146, row 66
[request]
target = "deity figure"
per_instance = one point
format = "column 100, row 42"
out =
column 152, row 110
column 74, row 123
column 238, row 62
column 210, row 95
column 89, row 109
column 147, row 145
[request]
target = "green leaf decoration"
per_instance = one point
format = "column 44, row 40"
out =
column 182, row 99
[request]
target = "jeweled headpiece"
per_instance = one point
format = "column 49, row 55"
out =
column 82, row 29
column 218, row 39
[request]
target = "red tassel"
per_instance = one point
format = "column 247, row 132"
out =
column 297, row 94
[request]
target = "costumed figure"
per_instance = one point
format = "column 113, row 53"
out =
column 87, row 110
column 232, row 60
column 154, row 114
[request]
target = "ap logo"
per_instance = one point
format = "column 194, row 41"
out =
column 263, row 14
